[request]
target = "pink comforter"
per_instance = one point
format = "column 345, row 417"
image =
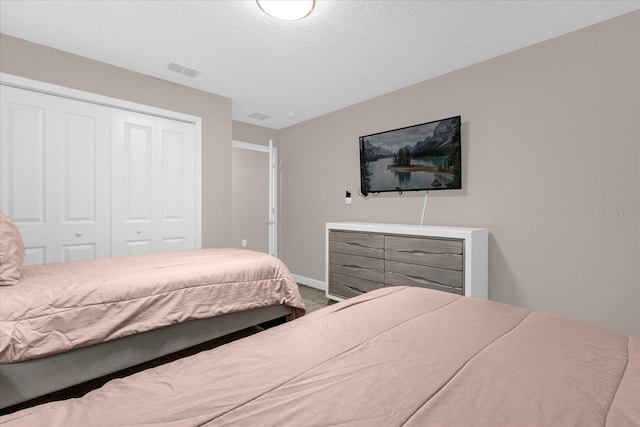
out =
column 57, row 307
column 395, row 356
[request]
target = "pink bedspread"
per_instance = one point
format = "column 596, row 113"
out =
column 395, row 356
column 57, row 307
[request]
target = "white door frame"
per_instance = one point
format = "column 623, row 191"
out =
column 272, row 220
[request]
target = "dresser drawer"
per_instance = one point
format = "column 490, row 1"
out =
column 357, row 266
column 404, row 274
column 356, row 243
column 442, row 253
column 360, row 256
column 347, row 286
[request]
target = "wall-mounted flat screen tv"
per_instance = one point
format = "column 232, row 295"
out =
column 414, row 158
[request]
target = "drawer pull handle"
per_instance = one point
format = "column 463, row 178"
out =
column 417, row 252
column 357, row 267
column 78, row 233
column 139, row 230
column 358, row 245
column 429, row 282
column 420, row 280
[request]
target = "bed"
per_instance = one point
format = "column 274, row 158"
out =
column 395, row 356
column 65, row 323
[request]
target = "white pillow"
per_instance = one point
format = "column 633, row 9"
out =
column 11, row 251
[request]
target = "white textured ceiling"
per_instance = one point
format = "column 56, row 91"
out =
column 345, row 52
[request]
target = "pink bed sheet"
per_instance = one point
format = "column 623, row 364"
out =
column 395, row 356
column 58, row 307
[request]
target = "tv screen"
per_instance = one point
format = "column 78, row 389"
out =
column 414, row 158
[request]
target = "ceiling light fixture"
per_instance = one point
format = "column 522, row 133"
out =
column 288, row 10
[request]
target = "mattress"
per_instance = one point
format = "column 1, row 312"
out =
column 391, row 357
column 62, row 306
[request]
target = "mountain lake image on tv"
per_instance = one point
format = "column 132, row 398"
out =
column 414, row 158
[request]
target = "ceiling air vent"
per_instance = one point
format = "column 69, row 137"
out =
column 182, row 69
column 258, row 116
column 190, row 72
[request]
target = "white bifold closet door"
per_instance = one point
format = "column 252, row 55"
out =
column 54, row 179
column 86, row 181
column 153, row 184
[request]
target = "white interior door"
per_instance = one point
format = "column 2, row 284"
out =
column 273, row 200
column 56, row 158
column 25, row 188
column 55, row 181
column 133, row 184
column 176, row 205
column 254, row 193
column 153, row 184
column 81, row 181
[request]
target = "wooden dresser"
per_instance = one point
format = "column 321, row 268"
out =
column 362, row 257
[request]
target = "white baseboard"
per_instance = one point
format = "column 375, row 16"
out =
column 318, row 284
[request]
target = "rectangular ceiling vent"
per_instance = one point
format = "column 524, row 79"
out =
column 182, row 69
column 190, row 72
column 258, row 116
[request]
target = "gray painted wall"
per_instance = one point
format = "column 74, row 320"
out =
column 551, row 152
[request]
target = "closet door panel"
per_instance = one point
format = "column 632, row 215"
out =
column 27, row 188
column 138, row 177
column 134, row 151
column 176, row 210
column 82, row 166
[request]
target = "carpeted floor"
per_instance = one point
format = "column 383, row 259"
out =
column 314, row 299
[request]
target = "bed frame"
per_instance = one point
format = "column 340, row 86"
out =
column 26, row 380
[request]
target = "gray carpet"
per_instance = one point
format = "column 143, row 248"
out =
column 314, row 299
